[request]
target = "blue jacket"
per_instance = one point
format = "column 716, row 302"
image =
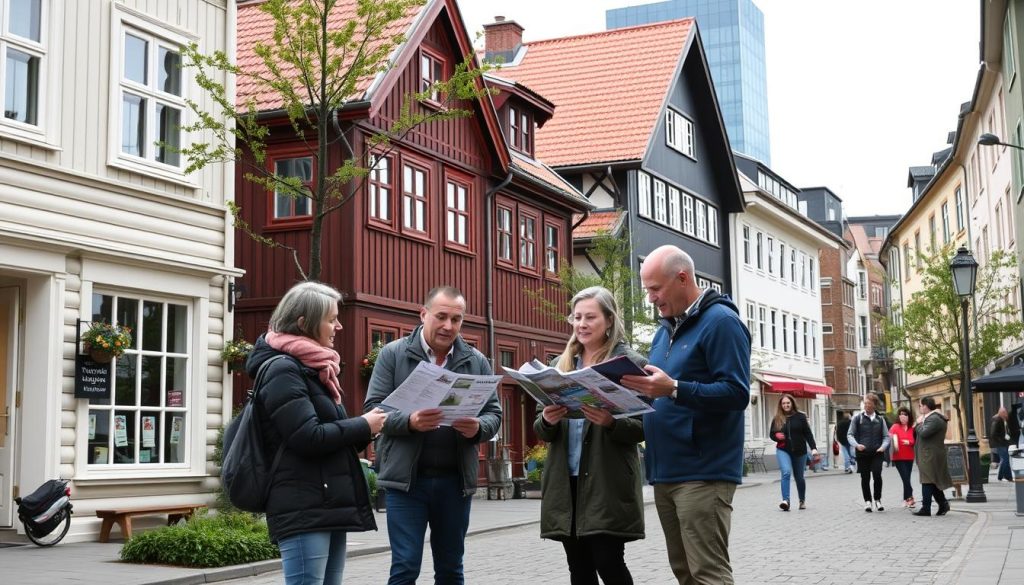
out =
column 699, row 435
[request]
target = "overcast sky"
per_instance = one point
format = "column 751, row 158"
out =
column 858, row 90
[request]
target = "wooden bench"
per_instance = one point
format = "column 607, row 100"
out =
column 123, row 517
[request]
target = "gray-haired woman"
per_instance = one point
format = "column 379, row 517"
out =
column 591, row 489
column 318, row 493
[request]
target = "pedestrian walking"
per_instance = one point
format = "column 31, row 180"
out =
column 849, row 453
column 902, row 439
column 999, row 441
column 792, row 435
column 700, row 382
column 932, row 466
column 591, row 494
column 430, row 471
column 869, row 436
column 318, row 492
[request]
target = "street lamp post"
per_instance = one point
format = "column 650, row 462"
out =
column 987, row 139
column 965, row 269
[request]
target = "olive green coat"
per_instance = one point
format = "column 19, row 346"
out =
column 930, row 451
column 609, row 488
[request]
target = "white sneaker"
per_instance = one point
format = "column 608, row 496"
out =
column 867, row 506
column 879, row 506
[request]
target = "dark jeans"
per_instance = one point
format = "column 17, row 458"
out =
column 928, row 491
column 905, row 467
column 868, row 465
column 1004, row 463
column 598, row 554
column 431, row 501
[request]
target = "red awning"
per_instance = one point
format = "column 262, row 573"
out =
column 795, row 386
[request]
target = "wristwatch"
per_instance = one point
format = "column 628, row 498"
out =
column 675, row 391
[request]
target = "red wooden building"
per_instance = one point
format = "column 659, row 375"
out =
column 460, row 202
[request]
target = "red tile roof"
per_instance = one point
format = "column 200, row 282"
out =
column 255, row 26
column 541, row 173
column 598, row 223
column 607, row 87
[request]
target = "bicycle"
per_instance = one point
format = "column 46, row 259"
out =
column 43, row 511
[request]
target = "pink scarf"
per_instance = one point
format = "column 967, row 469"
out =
column 313, row 355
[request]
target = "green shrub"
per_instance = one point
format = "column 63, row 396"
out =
column 371, row 478
column 204, row 541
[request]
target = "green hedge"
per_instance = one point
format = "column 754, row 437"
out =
column 204, row 541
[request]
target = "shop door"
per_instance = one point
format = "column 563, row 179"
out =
column 8, row 383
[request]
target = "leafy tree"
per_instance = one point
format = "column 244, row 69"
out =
column 313, row 68
column 929, row 331
column 611, row 253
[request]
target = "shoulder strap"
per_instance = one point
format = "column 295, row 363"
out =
column 256, row 386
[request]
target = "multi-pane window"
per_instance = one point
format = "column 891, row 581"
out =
column 849, row 337
column 146, row 418
column 811, row 280
column 863, row 330
column 457, row 213
column 382, row 335
column 807, row 337
column 771, row 255
column 659, row 201
column 519, row 130
column 504, row 229
column 679, row 133
column 151, row 97
column 527, row 241
column 958, row 200
column 643, row 193
column 290, row 203
column 774, row 334
column 701, row 212
column 712, row 225
column 759, row 250
column 796, row 335
column 22, row 58
column 814, row 339
column 762, row 329
column 793, row 274
column 945, row 222
column 782, row 260
column 688, row 215
column 862, row 284
column 414, row 198
column 551, row 248
column 746, row 245
column 674, row 218
column 827, row 340
column 785, row 332
column 803, row 267
column 431, row 72
column 752, row 320
column 379, row 187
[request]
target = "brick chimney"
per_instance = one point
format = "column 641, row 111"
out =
column 502, row 38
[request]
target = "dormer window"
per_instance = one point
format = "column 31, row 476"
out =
column 679, row 133
column 520, row 130
column 431, row 71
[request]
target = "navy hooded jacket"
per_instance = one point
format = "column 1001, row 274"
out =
column 699, row 435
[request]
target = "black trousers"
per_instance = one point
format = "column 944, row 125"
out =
column 905, row 467
column 928, row 491
column 869, row 465
column 596, row 555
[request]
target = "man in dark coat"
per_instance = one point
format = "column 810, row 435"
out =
column 849, row 454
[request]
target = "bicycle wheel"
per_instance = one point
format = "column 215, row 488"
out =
column 54, row 536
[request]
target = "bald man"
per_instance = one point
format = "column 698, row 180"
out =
column 700, row 380
column 999, row 441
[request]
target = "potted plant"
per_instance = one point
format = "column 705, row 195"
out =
column 534, row 460
column 370, row 359
column 235, row 352
column 104, row 341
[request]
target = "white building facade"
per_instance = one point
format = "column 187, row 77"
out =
column 777, row 276
column 100, row 222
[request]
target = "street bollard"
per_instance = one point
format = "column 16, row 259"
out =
column 1017, row 466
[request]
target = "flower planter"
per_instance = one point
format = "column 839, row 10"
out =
column 100, row 356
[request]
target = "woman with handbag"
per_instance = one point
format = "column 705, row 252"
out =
column 318, row 493
column 903, row 439
column 792, row 435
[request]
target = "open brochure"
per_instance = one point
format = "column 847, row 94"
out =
column 596, row 386
column 431, row 386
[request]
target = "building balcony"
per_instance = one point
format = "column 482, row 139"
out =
column 881, row 353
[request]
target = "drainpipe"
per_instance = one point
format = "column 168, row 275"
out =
column 489, row 263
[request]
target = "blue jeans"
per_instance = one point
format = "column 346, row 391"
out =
column 1004, row 463
column 849, row 456
column 792, row 466
column 312, row 558
column 431, row 501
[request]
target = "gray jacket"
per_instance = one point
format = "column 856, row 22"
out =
column 398, row 448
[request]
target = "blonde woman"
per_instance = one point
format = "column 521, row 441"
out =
column 792, row 436
column 591, row 487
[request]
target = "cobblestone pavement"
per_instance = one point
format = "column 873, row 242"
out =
column 832, row 542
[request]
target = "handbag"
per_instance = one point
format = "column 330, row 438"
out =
column 835, row 448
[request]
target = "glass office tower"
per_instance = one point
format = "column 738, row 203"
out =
column 733, row 36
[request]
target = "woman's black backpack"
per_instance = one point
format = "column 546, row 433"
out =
column 246, row 473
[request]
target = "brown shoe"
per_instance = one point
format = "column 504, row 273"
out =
column 803, row 506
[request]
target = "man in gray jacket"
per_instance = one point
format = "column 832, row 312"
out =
column 429, row 470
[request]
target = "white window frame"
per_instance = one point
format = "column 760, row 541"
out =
column 688, row 214
column 712, row 225
column 752, row 321
column 679, row 134
column 782, row 260
column 771, row 255
column 701, row 218
column 762, row 326
column 456, row 212
column 675, row 220
column 380, row 187
column 659, row 202
column 643, row 193
column 415, row 199
column 157, row 32
column 759, row 250
column 45, row 133
column 746, row 244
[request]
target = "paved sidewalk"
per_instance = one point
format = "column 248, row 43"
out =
column 990, row 552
